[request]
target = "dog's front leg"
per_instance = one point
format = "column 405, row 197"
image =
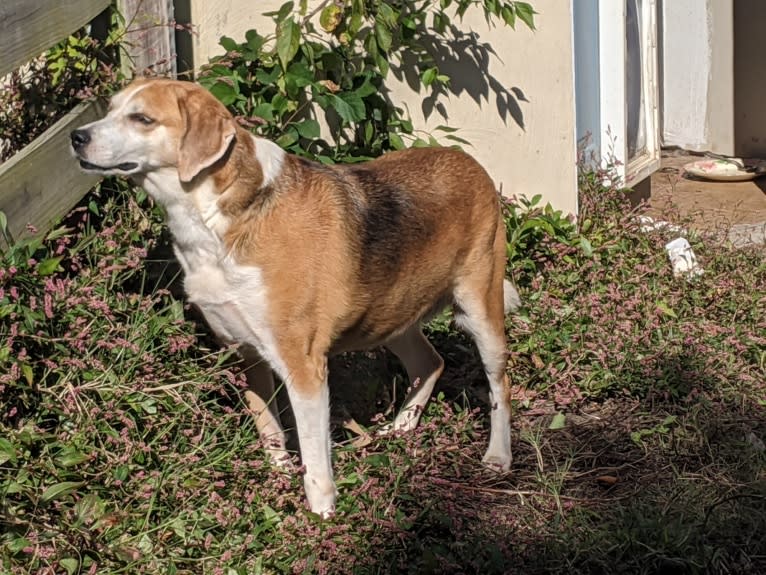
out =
column 262, row 401
column 310, row 398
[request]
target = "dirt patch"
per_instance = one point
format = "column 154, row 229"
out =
column 710, row 206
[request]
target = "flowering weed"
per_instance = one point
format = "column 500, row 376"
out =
column 125, row 448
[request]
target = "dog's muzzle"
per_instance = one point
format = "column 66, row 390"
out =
column 80, row 139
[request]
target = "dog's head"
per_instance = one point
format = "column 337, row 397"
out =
column 155, row 124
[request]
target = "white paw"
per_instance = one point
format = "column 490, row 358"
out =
column 280, row 459
column 497, row 463
column 406, row 421
column 321, row 501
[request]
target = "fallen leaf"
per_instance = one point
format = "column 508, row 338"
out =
column 606, row 480
column 363, row 438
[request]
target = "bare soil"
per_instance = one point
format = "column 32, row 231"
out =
column 710, row 206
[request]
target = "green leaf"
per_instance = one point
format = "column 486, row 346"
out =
column 387, row 14
column 396, row 141
column 60, row 489
column 349, row 106
column 366, row 89
column 270, row 516
column 149, row 406
column 283, row 12
column 586, row 247
column 228, row 44
column 7, row 451
column 308, row 129
column 665, row 309
column 330, row 17
column 70, row 564
column 176, row 310
column 383, row 35
column 48, row 266
column 301, row 74
column 350, row 480
column 382, row 62
column 254, row 40
column 288, row 41
column 226, row 91
column 29, row 374
column 440, row 22
column 429, row 76
column 57, row 233
column 3, row 222
column 378, row 460
column 287, row 139
column 69, row 457
column 14, row 487
column 355, row 24
column 558, row 422
column 458, row 139
column 526, row 14
column 264, row 110
column 509, row 16
column 267, row 75
column 16, row 545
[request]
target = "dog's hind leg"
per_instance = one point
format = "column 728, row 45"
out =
column 479, row 309
column 486, row 325
column 262, row 401
column 424, row 366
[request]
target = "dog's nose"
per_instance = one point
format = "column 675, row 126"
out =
column 79, row 139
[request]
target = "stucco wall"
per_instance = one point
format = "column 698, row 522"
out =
column 516, row 108
column 697, row 78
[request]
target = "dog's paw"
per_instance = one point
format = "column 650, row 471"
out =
column 321, row 501
column 496, row 463
column 405, row 422
column 281, row 460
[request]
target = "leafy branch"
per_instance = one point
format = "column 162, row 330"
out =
column 329, row 66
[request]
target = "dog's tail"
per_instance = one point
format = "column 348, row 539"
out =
column 511, row 297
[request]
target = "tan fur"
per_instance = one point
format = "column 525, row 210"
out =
column 306, row 260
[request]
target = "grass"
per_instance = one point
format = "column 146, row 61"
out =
column 639, row 436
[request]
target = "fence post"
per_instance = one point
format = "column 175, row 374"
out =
column 150, row 37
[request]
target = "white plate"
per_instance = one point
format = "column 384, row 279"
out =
column 719, row 171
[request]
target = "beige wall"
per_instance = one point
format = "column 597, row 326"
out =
column 518, row 113
column 698, row 75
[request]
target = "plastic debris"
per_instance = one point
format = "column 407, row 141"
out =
column 682, row 258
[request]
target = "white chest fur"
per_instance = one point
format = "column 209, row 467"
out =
column 233, row 297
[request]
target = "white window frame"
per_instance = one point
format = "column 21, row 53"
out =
column 607, row 122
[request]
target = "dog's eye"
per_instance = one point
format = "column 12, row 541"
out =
column 141, row 119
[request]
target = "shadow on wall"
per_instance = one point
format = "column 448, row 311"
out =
column 466, row 60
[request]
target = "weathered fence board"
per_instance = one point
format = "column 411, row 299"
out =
column 29, row 27
column 43, row 181
column 150, row 36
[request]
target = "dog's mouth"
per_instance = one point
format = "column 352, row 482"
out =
column 125, row 167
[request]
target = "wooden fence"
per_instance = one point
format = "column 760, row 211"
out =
column 42, row 182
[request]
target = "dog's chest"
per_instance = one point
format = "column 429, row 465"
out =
column 232, row 297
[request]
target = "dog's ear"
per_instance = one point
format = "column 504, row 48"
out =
column 209, row 131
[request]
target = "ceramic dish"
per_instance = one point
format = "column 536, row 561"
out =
column 720, row 170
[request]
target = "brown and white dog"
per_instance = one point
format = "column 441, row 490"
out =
column 296, row 260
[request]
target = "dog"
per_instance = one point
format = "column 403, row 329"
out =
column 294, row 260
